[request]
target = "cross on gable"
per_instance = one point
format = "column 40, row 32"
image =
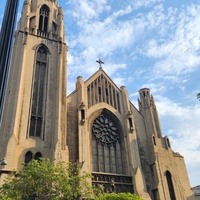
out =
column 100, row 62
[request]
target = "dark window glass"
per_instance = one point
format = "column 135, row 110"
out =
column 82, row 114
column 38, row 98
column 154, row 140
column 38, row 155
column 168, row 143
column 130, row 123
column 28, row 157
column 44, row 18
column 170, row 186
column 99, row 90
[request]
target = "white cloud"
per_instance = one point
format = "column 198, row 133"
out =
column 122, row 12
column 111, row 68
column 98, row 38
column 143, row 3
column 119, row 81
column 86, row 10
column 179, row 52
column 70, row 59
column 156, row 88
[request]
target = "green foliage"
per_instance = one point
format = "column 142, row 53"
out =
column 47, row 180
column 198, row 96
column 119, row 196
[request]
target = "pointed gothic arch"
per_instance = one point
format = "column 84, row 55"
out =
column 170, row 185
column 44, row 18
column 39, row 92
column 28, row 157
column 37, row 156
column 107, row 143
column 108, row 153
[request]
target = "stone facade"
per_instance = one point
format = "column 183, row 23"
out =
column 29, row 39
column 96, row 125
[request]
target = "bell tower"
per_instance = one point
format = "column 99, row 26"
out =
column 34, row 117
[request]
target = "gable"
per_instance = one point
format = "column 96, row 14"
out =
column 100, row 88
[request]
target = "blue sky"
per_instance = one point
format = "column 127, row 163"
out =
column 154, row 44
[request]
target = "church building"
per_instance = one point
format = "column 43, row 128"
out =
column 96, row 125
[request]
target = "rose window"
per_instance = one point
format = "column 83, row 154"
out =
column 104, row 130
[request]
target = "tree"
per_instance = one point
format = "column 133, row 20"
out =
column 119, row 196
column 198, row 96
column 47, row 180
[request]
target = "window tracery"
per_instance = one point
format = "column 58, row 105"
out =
column 106, row 145
column 107, row 151
column 44, row 17
column 105, row 131
column 38, row 97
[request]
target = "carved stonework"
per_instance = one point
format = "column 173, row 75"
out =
column 105, row 131
column 113, row 183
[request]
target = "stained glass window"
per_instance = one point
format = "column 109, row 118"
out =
column 106, row 146
column 39, row 90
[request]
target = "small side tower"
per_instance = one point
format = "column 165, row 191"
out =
column 165, row 171
column 34, row 118
column 148, row 109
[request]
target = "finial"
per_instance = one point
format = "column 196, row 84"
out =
column 100, row 63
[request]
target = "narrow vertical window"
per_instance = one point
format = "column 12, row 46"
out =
column 44, row 18
column 114, row 99
column 82, row 115
column 88, row 94
column 155, row 194
column 92, row 94
column 118, row 103
column 168, row 143
column 39, row 90
column 110, row 91
column 170, row 186
column 154, row 140
column 130, row 123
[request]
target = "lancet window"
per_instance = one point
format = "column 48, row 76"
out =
column 37, row 156
column 39, row 91
column 28, row 157
column 170, row 185
column 44, row 18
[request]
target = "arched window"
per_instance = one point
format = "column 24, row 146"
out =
column 44, row 18
column 106, row 145
column 170, row 186
column 28, row 157
column 39, row 91
column 38, row 155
